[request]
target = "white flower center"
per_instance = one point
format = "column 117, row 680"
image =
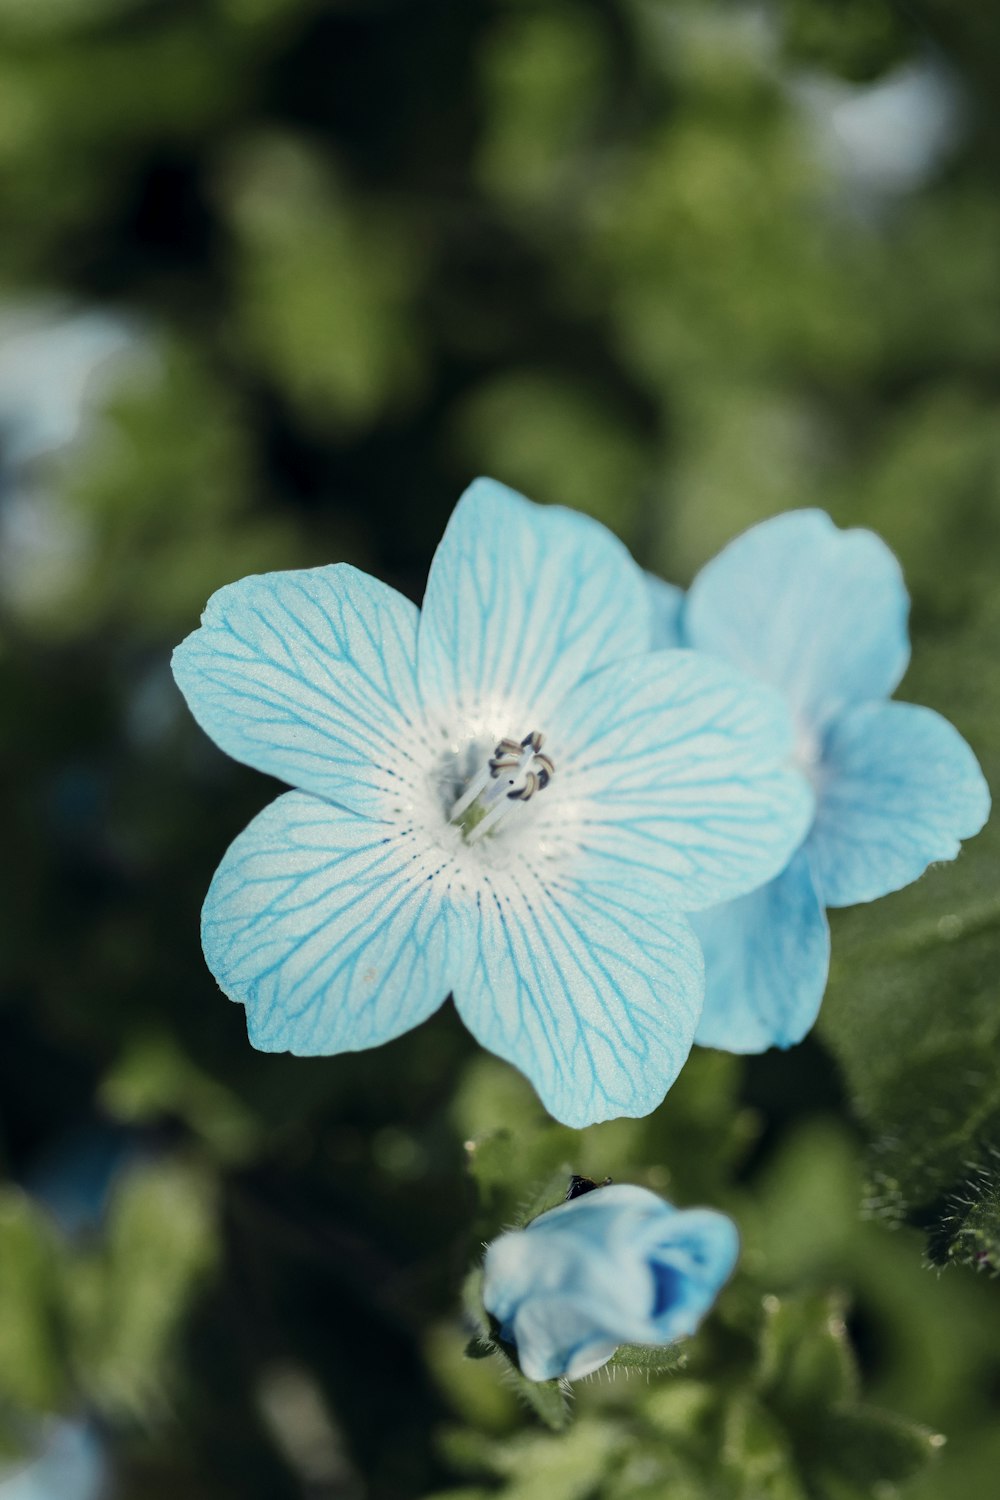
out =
column 515, row 771
column 807, row 755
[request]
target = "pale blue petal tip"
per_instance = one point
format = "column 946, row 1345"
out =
column 820, row 613
column 319, row 926
column 691, row 1265
column 309, row 676
column 901, row 789
column 767, row 957
column 523, row 601
column 484, row 490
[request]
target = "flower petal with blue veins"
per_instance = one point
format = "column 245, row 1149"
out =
column 522, row 601
column 818, row 612
column 311, row 677
column 767, row 956
column 679, row 765
column 900, row 789
column 588, row 983
column 327, row 927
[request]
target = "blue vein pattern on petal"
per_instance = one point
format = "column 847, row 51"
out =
column 309, row 676
column 819, row 612
column 522, row 601
column 767, row 956
column 588, row 983
column 678, row 764
column 324, row 925
column 900, row 788
column 668, row 604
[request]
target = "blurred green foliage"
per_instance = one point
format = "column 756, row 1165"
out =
column 681, row 263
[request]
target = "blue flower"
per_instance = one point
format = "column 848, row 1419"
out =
column 821, row 614
column 617, row 1266
column 71, row 1465
column 434, row 846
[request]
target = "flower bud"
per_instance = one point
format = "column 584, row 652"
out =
column 617, row 1265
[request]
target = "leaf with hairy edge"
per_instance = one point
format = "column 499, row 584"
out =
column 654, row 1359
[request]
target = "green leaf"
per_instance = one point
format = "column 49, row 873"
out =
column 701, row 1130
column 656, row 1359
column 969, row 1231
column 519, row 1177
column 681, row 1408
column 757, row 1453
column 476, row 1348
column 465, row 1492
column 914, row 1023
column 128, row 1300
column 548, row 1194
column 154, row 1078
column 303, row 243
column 574, row 1468
column 865, row 1446
column 911, row 1012
column 32, row 1367
column 472, row 1304
column 491, row 1163
column 806, row 1363
column 548, row 1399
column 858, row 41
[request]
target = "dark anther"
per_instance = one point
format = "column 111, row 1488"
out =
column 580, row 1185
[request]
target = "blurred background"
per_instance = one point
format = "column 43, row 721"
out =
column 277, row 278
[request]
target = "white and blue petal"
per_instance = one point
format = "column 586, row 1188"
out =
column 522, row 601
column 576, row 1282
column 311, row 677
column 678, row 765
column 767, row 956
column 818, row 612
column 329, row 928
column 899, row 789
column 582, row 977
column 555, row 1337
column 668, row 607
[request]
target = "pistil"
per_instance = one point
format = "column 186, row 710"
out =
column 514, row 773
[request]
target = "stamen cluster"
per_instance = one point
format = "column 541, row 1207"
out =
column 517, row 765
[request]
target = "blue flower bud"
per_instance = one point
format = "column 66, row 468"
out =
column 618, row 1265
